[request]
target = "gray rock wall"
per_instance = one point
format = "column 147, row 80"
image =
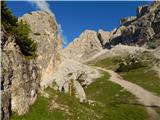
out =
column 19, row 80
column 21, row 75
column 45, row 33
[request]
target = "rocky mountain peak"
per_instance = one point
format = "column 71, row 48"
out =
column 140, row 30
column 84, row 46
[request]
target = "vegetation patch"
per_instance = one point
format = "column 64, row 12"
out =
column 18, row 30
column 40, row 111
column 26, row 44
column 111, row 103
column 117, row 104
column 109, row 63
column 145, row 77
column 158, row 110
column 130, row 62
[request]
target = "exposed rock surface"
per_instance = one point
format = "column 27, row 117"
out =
column 19, row 79
column 83, row 47
column 21, row 76
column 69, row 70
column 45, row 33
column 140, row 30
column 127, row 21
column 104, row 37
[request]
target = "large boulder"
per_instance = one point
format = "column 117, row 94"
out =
column 72, row 72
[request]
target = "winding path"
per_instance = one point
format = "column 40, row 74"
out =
column 145, row 97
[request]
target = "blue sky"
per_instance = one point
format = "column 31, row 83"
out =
column 75, row 17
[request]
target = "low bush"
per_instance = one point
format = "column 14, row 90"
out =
column 131, row 62
column 19, row 30
column 27, row 45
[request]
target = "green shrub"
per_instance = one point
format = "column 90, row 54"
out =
column 19, row 30
column 130, row 62
column 27, row 45
column 7, row 19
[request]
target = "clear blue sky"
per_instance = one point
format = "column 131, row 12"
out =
column 75, row 17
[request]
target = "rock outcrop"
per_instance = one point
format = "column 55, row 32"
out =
column 72, row 73
column 83, row 47
column 22, row 75
column 104, row 37
column 45, row 33
column 140, row 30
column 19, row 79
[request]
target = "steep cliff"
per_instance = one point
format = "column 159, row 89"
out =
column 20, row 79
column 140, row 30
column 22, row 75
column 45, row 33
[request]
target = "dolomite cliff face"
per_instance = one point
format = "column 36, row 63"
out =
column 45, row 33
column 72, row 73
column 140, row 30
column 83, row 47
column 22, row 77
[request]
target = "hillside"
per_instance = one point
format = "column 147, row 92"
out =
column 104, row 75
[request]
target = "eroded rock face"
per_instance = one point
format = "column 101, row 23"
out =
column 70, row 70
column 45, row 33
column 127, row 21
column 21, row 76
column 19, row 80
column 141, row 30
column 104, row 37
column 86, row 45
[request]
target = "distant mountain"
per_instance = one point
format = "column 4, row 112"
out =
column 140, row 30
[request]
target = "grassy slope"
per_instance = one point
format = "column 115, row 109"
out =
column 158, row 110
column 116, row 103
column 105, row 63
column 145, row 77
column 112, row 104
column 39, row 111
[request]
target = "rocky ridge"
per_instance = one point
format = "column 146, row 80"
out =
column 140, row 30
column 83, row 47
